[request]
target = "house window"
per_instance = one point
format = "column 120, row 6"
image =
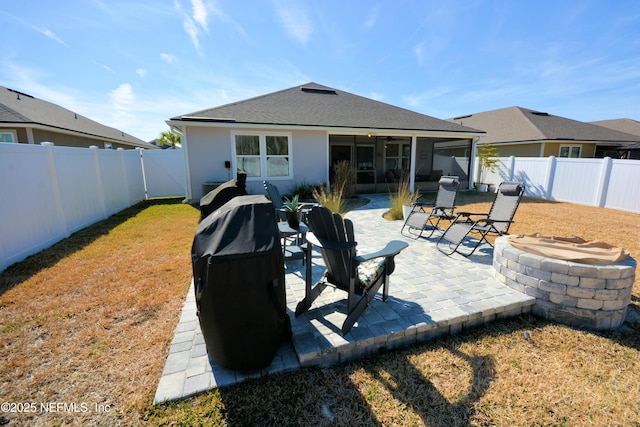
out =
column 263, row 156
column 397, row 156
column 7, row 137
column 572, row 151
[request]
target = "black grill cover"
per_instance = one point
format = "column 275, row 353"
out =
column 214, row 199
column 238, row 272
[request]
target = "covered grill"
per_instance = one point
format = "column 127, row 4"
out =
column 238, row 272
column 214, row 199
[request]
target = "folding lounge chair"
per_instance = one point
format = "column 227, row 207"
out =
column 496, row 222
column 428, row 216
column 361, row 276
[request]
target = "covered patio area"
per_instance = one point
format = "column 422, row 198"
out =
column 381, row 160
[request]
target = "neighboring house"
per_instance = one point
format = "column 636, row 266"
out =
column 29, row 120
column 294, row 136
column 521, row 132
column 631, row 151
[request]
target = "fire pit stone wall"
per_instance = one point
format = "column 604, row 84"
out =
column 575, row 294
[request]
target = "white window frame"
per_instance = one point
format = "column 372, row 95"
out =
column 14, row 136
column 399, row 157
column 262, row 139
column 570, row 147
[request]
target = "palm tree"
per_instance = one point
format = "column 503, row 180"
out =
column 168, row 138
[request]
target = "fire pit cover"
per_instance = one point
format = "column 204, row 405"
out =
column 569, row 248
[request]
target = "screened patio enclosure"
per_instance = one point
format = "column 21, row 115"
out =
column 380, row 162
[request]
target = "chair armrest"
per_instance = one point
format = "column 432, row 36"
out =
column 392, row 248
column 491, row 221
column 329, row 245
column 430, row 204
column 471, row 214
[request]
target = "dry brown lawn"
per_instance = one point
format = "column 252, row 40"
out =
column 90, row 321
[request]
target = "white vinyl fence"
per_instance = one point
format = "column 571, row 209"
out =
column 608, row 183
column 49, row 192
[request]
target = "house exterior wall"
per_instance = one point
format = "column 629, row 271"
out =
column 521, row 150
column 209, row 147
column 553, row 148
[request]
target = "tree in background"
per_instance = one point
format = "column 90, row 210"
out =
column 168, row 138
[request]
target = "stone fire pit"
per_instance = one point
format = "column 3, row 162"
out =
column 575, row 294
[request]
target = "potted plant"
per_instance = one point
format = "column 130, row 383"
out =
column 402, row 201
column 293, row 211
column 487, row 160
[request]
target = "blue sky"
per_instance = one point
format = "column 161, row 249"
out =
column 134, row 64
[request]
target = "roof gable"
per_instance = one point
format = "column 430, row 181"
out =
column 22, row 109
column 517, row 124
column 313, row 104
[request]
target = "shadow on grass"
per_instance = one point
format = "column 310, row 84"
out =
column 32, row 265
column 391, row 387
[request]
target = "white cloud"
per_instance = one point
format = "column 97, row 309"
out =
column 169, row 59
column 193, row 32
column 142, row 72
column 199, row 13
column 294, row 20
column 123, row 104
column 50, row 34
column 197, row 22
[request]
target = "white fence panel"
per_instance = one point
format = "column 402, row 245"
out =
column 29, row 217
column 80, row 191
column 50, row 192
column 112, row 181
column 623, row 186
column 134, row 176
column 576, row 180
column 597, row 182
column 164, row 173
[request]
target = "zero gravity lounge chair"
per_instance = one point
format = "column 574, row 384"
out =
column 361, row 276
column 428, row 216
column 496, row 222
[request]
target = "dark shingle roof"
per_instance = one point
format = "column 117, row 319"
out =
column 517, row 124
column 17, row 108
column 316, row 105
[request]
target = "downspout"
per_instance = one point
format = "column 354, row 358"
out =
column 187, row 169
column 472, row 162
column 412, row 167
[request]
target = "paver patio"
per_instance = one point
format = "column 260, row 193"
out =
column 430, row 295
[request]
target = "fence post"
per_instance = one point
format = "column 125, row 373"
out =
column 551, row 173
column 144, row 175
column 603, row 182
column 512, row 168
column 55, row 185
column 100, row 189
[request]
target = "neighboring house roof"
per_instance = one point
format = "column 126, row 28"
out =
column 622, row 125
column 22, row 110
column 517, row 124
column 315, row 105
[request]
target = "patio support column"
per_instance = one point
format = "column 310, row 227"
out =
column 412, row 167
